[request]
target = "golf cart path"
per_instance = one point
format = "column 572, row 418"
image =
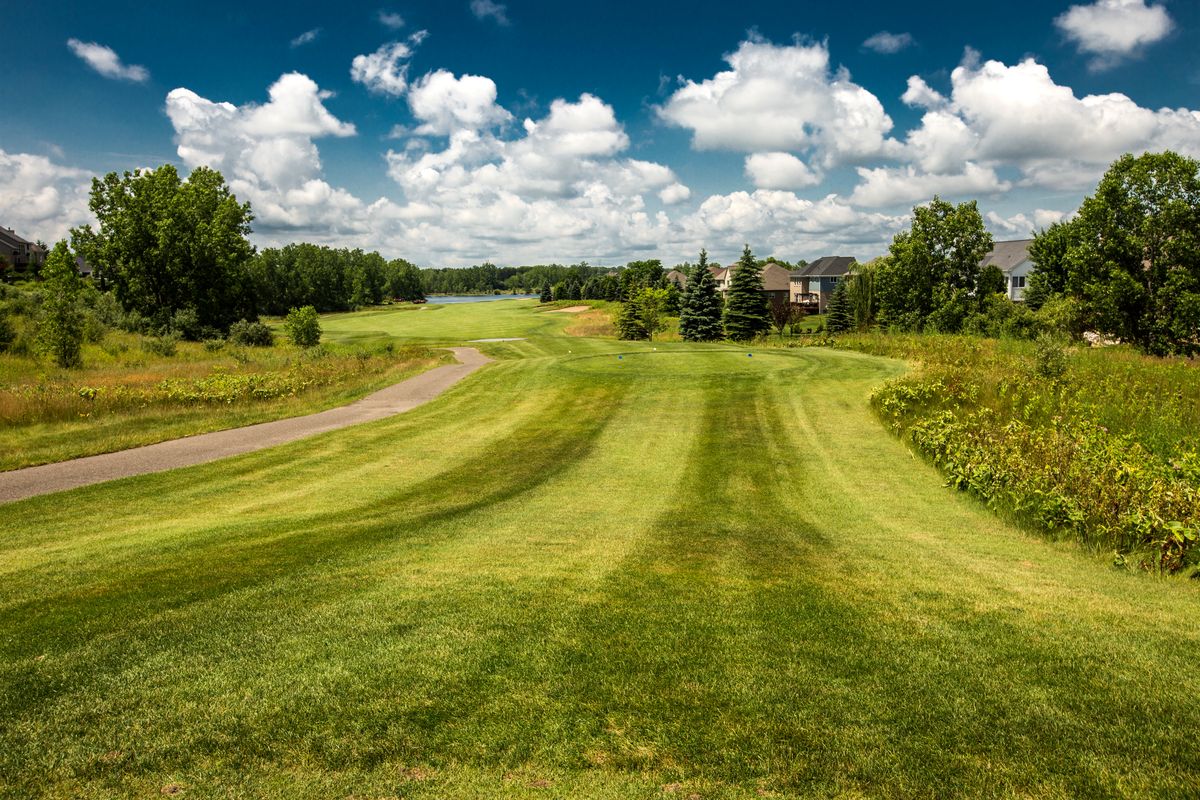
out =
column 395, row 399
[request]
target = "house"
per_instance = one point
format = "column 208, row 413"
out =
column 775, row 279
column 677, row 276
column 21, row 255
column 1013, row 260
column 813, row 285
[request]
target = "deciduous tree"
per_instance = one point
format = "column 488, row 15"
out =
column 167, row 244
column 60, row 327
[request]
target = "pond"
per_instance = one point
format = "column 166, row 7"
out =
column 479, row 298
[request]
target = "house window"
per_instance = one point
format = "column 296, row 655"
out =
column 1018, row 281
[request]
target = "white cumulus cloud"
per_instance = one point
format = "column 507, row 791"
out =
column 1113, row 29
column 41, row 199
column 104, row 60
column 267, row 153
column 445, row 103
column 1017, row 116
column 386, row 70
column 779, row 171
column 782, row 99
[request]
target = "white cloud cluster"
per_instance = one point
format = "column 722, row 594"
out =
column 267, row 152
column 445, row 103
column 40, row 199
column 779, row 171
column 782, row 99
column 888, row 43
column 1020, row 225
column 1113, row 29
column 104, row 60
column 386, row 70
column 561, row 185
column 1017, row 116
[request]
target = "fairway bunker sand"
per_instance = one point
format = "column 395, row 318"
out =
column 395, row 399
column 570, row 310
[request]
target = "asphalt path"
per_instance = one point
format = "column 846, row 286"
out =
column 205, row 447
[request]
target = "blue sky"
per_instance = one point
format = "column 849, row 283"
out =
column 453, row 132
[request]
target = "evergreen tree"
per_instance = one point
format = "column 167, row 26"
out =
column 746, row 313
column 629, row 322
column 60, row 330
column 547, row 294
column 700, row 312
column 840, row 314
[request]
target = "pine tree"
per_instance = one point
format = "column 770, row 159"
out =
column 746, row 314
column 700, row 312
column 547, row 294
column 840, row 313
column 60, row 330
column 629, row 320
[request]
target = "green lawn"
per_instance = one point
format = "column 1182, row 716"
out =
column 593, row 569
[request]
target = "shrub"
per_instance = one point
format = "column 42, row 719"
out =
column 8, row 333
column 303, row 326
column 1051, row 359
column 166, row 345
column 213, row 345
column 186, row 323
column 251, row 334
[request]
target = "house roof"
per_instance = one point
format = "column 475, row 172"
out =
column 677, row 275
column 776, row 278
column 826, row 267
column 11, row 235
column 1007, row 255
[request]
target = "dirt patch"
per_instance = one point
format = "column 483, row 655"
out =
column 569, row 310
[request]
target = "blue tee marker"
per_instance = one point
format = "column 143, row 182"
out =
column 749, row 355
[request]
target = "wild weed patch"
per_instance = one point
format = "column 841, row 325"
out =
column 1099, row 445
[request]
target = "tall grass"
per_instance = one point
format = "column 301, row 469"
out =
column 1102, row 445
column 129, row 394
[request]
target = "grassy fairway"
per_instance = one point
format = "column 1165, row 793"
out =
column 682, row 571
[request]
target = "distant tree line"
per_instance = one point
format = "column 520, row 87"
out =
column 328, row 279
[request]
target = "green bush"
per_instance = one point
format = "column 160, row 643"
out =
column 8, row 333
column 1051, row 359
column 186, row 324
column 166, row 345
column 251, row 334
column 1103, row 447
column 303, row 326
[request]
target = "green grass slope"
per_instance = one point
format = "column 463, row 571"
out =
column 594, row 569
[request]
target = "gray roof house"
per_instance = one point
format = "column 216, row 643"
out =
column 814, row 284
column 1013, row 260
column 21, row 255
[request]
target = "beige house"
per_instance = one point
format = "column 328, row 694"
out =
column 776, row 281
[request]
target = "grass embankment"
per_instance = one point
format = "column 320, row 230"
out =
column 1101, row 446
column 127, row 395
column 612, row 572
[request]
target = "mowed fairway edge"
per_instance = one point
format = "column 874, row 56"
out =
column 594, row 569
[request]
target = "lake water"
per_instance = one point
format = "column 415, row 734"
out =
column 480, row 298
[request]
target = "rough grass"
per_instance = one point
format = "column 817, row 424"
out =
column 593, row 569
column 126, row 396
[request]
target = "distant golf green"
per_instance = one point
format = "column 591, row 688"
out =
column 592, row 569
